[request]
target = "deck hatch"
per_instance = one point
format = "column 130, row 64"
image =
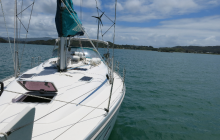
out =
column 86, row 78
column 38, row 86
column 30, row 99
column 82, row 69
column 27, row 75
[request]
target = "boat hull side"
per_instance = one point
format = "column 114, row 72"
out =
column 103, row 131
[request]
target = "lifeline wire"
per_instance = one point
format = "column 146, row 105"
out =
column 70, row 124
column 114, row 28
column 11, row 131
column 85, row 115
column 27, row 31
column 54, row 99
column 57, row 100
column 20, row 22
column 7, row 33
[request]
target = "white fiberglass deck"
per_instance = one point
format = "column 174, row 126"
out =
column 77, row 110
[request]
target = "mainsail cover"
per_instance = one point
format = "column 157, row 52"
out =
column 67, row 21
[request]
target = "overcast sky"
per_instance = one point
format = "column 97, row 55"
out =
column 159, row 23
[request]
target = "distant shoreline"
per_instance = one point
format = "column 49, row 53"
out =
column 181, row 49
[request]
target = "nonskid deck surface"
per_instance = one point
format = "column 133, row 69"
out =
column 75, row 111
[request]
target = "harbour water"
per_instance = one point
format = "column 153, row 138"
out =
column 168, row 95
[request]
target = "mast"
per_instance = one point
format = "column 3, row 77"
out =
column 62, row 44
column 68, row 25
column 63, row 58
column 15, row 41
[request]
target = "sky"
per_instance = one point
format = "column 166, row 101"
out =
column 157, row 23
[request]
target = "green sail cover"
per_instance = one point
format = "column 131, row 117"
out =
column 66, row 23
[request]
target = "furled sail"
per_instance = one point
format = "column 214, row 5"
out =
column 67, row 21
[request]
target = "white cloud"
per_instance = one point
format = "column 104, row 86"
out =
column 188, row 31
column 112, row 6
column 209, row 23
column 133, row 5
column 198, row 31
column 134, row 38
column 143, row 10
column 87, row 3
column 213, row 2
column 211, row 38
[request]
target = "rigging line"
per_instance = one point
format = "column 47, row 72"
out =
column 74, row 124
column 25, row 8
column 80, row 43
column 106, row 15
column 102, row 37
column 113, row 94
column 53, row 49
column 55, row 100
column 78, row 121
column 19, row 31
column 114, row 30
column 97, row 9
column 8, row 34
column 83, row 30
column 22, row 24
column 27, row 33
column 108, row 30
column 84, row 116
column 11, row 131
column 101, row 32
column 15, row 49
column 98, row 24
column 81, row 10
column 96, row 3
column 69, row 125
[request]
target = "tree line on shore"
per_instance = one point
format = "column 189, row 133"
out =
column 192, row 49
column 183, row 49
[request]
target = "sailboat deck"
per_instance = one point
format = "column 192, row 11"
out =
column 76, row 110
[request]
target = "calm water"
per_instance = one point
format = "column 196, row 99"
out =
column 169, row 95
